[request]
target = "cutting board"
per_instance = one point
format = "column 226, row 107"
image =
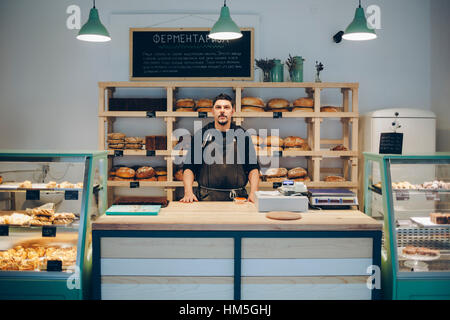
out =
column 283, row 215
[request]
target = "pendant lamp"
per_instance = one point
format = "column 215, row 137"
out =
column 93, row 30
column 358, row 29
column 225, row 28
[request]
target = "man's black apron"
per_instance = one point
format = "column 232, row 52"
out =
column 222, row 182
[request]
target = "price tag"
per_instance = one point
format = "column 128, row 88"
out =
column 118, row 153
column 151, row 153
column 71, row 195
column 151, row 114
column 432, row 196
column 48, row 231
column 276, row 185
column 33, row 195
column 134, row 184
column 401, row 195
column 391, row 143
column 203, row 114
column 277, row 115
column 54, row 265
column 4, row 230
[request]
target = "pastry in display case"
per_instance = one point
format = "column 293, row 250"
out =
column 47, row 203
column 411, row 195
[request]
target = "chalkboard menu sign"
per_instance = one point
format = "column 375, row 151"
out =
column 391, row 143
column 189, row 54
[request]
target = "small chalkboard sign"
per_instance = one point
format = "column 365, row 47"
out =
column 54, row 265
column 48, row 231
column 188, row 53
column 391, row 143
column 32, row 194
column 71, row 195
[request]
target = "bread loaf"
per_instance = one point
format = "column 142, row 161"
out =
column 161, row 178
column 303, row 102
column 116, row 146
column 252, row 109
column 185, row 103
column 280, row 110
column 276, row 172
column 149, row 179
column 117, row 141
column 273, row 141
column 334, row 179
column 278, row 103
column 328, row 109
column 440, row 218
column 252, row 101
column 293, row 141
column 339, row 148
column 116, row 178
column 145, row 172
column 304, row 179
column 135, row 140
column 204, row 109
column 302, row 109
column 184, row 109
column 298, row 172
column 204, row 103
column 161, row 171
column 133, row 146
column 179, row 175
column 125, row 172
column 276, row 179
column 116, row 136
column 302, row 147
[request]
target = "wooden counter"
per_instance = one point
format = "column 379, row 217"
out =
column 231, row 216
column 222, row 250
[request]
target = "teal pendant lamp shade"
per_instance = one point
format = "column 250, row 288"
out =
column 358, row 29
column 225, row 28
column 93, row 30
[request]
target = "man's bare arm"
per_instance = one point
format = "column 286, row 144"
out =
column 188, row 181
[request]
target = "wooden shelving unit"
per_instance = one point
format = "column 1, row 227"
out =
column 349, row 119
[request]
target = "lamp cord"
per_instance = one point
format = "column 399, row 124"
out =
column 94, row 3
column 360, row 3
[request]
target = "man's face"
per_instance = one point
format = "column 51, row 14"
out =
column 222, row 111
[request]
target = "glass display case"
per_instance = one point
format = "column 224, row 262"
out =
column 411, row 194
column 47, row 203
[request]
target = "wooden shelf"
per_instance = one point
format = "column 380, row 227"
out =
column 349, row 118
column 267, row 114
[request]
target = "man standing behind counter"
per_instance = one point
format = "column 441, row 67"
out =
column 224, row 163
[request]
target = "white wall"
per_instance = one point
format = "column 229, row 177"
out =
column 48, row 79
column 440, row 71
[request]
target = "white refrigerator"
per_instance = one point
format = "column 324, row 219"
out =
column 419, row 136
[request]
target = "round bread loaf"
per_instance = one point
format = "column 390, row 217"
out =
column 116, row 136
column 134, row 146
column 185, row 103
column 257, row 140
column 149, row 179
column 179, row 175
column 185, row 109
column 116, row 141
column 293, row 141
column 1, row 179
column 161, row 178
column 280, row 110
column 252, row 101
column 278, row 103
column 339, row 148
column 304, row 179
column 302, row 147
column 329, row 109
column 276, row 172
column 334, row 179
column 273, row 141
column 161, row 171
column 303, row 102
column 204, row 103
column 145, row 172
column 135, row 140
column 276, row 179
column 252, row 109
column 116, row 146
column 204, row 109
column 122, row 179
column 302, row 109
column 298, row 172
column 125, row 172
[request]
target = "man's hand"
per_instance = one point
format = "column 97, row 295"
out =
column 189, row 198
column 251, row 197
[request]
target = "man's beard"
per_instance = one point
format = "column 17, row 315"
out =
column 223, row 121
